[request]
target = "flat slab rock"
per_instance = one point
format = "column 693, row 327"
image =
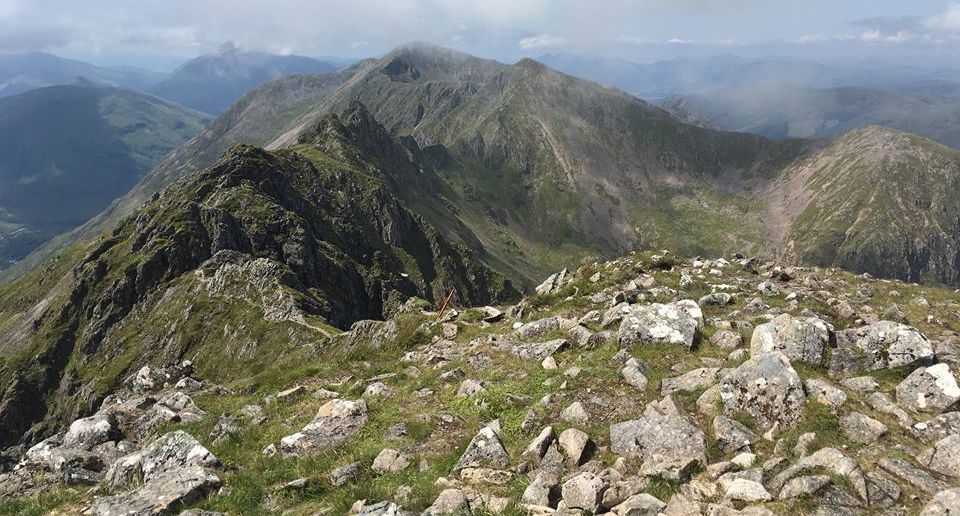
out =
column 929, row 389
column 674, row 323
column 337, row 422
column 164, row 492
column 667, row 442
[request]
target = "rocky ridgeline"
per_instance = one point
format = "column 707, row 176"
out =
column 645, row 385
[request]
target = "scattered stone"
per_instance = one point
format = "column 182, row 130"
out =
column 377, row 389
column 226, row 427
column 485, row 450
column 801, row 339
column 89, row 432
column 745, row 490
column 881, row 402
column 576, row 444
column 575, row 413
column 470, row 388
column 336, row 423
column 345, row 474
column 937, row 427
column 291, row 393
column 727, row 339
column 912, row 475
column 667, row 442
column 861, row 384
column 768, row 388
column 768, row 289
column 944, row 457
column 861, row 428
column 732, row 436
column 808, row 486
column 715, row 299
column 539, row 329
column 694, row 380
column 583, row 491
column 390, row 461
column 825, row 393
column 324, row 394
column 449, row 502
column 633, row 374
column 929, row 389
column 944, row 503
column 540, row 444
column 552, row 283
column 889, row 344
column 676, row 323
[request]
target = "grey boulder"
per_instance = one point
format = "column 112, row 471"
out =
column 336, row 423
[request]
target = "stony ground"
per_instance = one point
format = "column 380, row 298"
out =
column 645, row 385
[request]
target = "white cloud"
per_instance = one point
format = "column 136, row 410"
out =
column 875, row 36
column 541, row 41
column 947, row 21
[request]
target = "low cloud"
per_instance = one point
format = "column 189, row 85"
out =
column 541, row 41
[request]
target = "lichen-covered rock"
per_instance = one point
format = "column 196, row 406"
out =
column 807, row 486
column 745, row 490
column 539, row 328
column 691, row 381
column 337, row 422
column 642, row 504
column 449, row 502
column 888, row 344
column 732, row 435
column 667, row 442
column 861, row 428
column 164, row 492
column 583, row 491
column 552, row 283
column 173, row 451
column 390, row 461
column 944, row 503
column 484, row 451
column 944, row 457
column 929, row 389
column 801, row 339
column 825, row 393
column 89, row 432
column 766, row 387
column 675, row 323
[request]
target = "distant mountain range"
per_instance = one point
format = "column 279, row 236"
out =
column 928, row 109
column 24, row 72
column 211, row 83
column 67, row 151
column 700, row 76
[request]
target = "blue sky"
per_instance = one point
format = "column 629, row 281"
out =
column 642, row 30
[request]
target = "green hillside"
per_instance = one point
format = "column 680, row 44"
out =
column 67, row 151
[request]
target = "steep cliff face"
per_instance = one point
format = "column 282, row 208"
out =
column 254, row 261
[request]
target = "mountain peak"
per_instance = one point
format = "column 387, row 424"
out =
column 423, row 61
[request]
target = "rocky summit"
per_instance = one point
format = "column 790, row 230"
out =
column 621, row 387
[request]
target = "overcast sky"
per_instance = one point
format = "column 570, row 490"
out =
column 119, row 31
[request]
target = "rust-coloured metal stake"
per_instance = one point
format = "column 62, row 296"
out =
column 445, row 303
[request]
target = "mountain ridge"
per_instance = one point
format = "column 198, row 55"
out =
column 538, row 168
